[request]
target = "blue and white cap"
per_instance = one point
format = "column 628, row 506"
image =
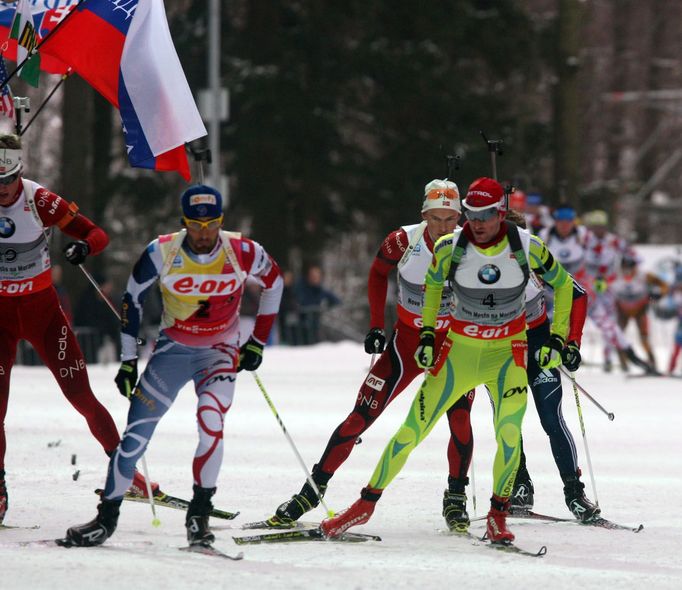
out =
column 10, row 162
column 201, row 200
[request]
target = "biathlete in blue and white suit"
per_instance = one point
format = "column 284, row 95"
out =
column 201, row 271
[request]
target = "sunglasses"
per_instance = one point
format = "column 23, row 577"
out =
column 197, row 225
column 483, row 215
column 9, row 179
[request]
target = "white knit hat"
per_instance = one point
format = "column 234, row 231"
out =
column 441, row 194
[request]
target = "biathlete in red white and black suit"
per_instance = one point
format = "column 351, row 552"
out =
column 29, row 305
column 201, row 271
column 407, row 250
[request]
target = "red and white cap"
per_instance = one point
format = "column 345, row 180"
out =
column 441, row 194
column 485, row 193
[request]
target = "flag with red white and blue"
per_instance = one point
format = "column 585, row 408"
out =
column 6, row 99
column 123, row 48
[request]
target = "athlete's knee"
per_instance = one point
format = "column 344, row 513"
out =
column 408, row 437
column 354, row 425
column 460, row 422
column 210, row 421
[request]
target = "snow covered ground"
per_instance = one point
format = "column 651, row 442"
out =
column 636, row 459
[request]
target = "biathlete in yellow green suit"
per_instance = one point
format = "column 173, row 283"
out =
column 487, row 263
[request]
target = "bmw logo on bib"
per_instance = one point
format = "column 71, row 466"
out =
column 7, row 227
column 489, row 274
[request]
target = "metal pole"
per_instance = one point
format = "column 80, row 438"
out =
column 214, row 86
column 301, row 462
column 571, row 376
column 582, row 429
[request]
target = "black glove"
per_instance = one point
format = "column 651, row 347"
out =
column 126, row 378
column 571, row 356
column 425, row 351
column 375, row 341
column 549, row 356
column 76, row 252
column 250, row 355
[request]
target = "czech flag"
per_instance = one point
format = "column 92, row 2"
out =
column 124, row 50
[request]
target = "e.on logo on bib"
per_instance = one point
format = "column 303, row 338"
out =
column 201, row 284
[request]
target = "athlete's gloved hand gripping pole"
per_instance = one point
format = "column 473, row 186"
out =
column 126, row 380
column 308, row 477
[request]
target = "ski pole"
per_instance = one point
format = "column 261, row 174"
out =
column 473, row 483
column 582, row 429
column 155, row 520
column 147, row 481
column 308, row 477
column 571, row 376
column 140, row 341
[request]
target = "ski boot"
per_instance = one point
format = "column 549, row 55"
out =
column 196, row 521
column 641, row 363
column 290, row 511
column 97, row 530
column 138, row 487
column 496, row 521
column 455, row 505
column 4, row 498
column 359, row 513
column 578, row 504
column 522, row 498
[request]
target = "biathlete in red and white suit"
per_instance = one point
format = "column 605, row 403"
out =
column 409, row 251
column 591, row 255
column 29, row 306
column 201, row 272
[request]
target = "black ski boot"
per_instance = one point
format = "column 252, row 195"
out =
column 641, row 363
column 578, row 504
column 455, row 505
column 290, row 511
column 196, row 521
column 97, row 530
column 522, row 498
column 4, row 497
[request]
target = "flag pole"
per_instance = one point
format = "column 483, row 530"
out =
column 45, row 38
column 47, row 98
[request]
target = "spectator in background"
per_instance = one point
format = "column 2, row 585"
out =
column 289, row 329
column 99, row 321
column 249, row 309
column 312, row 298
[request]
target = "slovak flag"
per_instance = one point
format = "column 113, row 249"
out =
column 123, row 48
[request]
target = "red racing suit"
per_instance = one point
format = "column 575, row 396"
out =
column 30, row 308
column 409, row 251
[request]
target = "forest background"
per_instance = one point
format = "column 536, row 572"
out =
column 340, row 112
